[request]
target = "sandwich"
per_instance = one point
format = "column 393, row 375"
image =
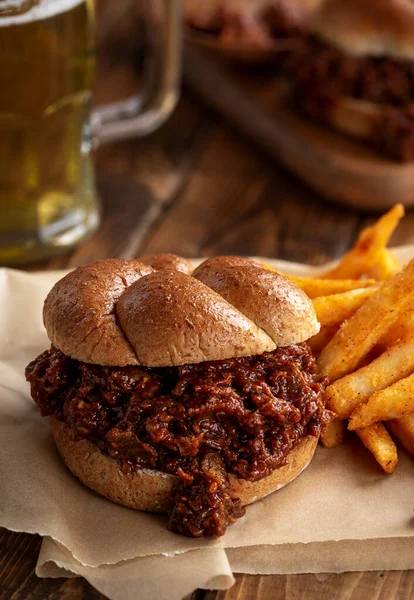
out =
column 355, row 72
column 190, row 394
column 254, row 23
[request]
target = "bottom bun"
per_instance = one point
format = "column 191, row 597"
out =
column 150, row 490
column 357, row 118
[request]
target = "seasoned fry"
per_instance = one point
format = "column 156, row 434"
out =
column 403, row 430
column 325, row 287
column 318, row 342
column 333, row 310
column 403, row 326
column 362, row 319
column 378, row 441
column 393, row 402
column 333, row 434
column 346, row 394
column 360, row 333
column 385, row 267
column 365, row 254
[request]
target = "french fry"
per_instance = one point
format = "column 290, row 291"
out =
column 346, row 394
column 392, row 402
column 385, row 267
column 379, row 442
column 359, row 319
column 358, row 336
column 333, row 434
column 403, row 430
column 403, row 326
column 318, row 342
column 333, row 310
column 325, row 287
column 365, row 254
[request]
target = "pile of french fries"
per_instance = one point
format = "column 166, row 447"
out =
column 366, row 344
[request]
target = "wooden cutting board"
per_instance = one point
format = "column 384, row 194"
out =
column 257, row 104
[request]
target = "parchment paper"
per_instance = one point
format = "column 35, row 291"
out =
column 341, row 514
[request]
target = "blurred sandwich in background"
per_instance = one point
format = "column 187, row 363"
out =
column 249, row 23
column 355, row 72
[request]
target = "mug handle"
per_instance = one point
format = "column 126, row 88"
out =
column 141, row 114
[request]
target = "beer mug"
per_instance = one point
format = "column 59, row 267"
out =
column 48, row 201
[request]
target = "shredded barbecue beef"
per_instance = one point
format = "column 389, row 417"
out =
column 323, row 74
column 200, row 422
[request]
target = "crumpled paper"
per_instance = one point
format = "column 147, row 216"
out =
column 341, row 514
column 146, row 577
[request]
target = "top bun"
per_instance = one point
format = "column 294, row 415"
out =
column 368, row 27
column 79, row 312
column 272, row 301
column 168, row 261
column 218, row 262
column 120, row 312
column 172, row 319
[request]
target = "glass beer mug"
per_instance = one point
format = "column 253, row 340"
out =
column 48, row 201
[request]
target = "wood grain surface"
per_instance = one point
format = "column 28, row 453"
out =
column 197, row 188
column 339, row 167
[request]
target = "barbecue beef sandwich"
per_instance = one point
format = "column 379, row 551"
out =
column 256, row 23
column 356, row 72
column 192, row 395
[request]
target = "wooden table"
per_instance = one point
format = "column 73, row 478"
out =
column 197, row 188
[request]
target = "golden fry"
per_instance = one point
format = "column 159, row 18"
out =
column 360, row 333
column 346, row 394
column 325, row 287
column 378, row 441
column 333, row 434
column 385, row 267
column 390, row 403
column 403, row 430
column 365, row 254
column 404, row 326
column 333, row 310
column 318, row 342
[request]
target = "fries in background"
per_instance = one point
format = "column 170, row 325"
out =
column 386, row 266
column 314, row 288
column 366, row 343
column 333, row 310
column 367, row 251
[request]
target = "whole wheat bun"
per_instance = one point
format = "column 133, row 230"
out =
column 225, row 261
column 167, row 261
column 367, row 27
column 173, row 319
column 79, row 312
column 272, row 301
column 120, row 312
column 150, row 490
column 357, row 118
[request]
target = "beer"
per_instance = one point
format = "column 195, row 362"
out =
column 47, row 196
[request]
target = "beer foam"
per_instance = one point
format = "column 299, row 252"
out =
column 44, row 10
